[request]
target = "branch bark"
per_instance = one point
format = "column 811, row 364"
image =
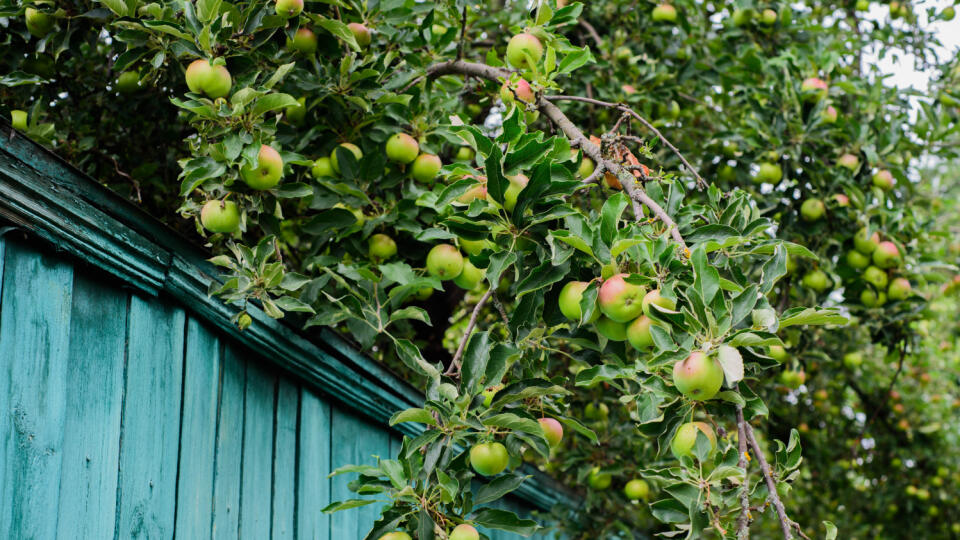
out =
column 454, row 369
column 743, row 520
column 785, row 523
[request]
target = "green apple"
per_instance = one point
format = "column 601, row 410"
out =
column 425, row 168
column 587, row 166
column 727, row 173
column 423, row 294
column 848, row 161
column 899, row 289
column 768, row 17
column 206, row 78
column 399, row 535
column 612, row 330
column 196, row 75
column 853, row 359
column 792, row 379
column 886, row 255
column 489, row 459
column 778, row 353
column 296, row 113
column 402, row 148
column 322, row 168
column 653, row 297
column 812, row 210
column 813, row 89
column 770, row 173
column 464, row 153
column 470, row 277
column 552, row 430
column 289, row 8
column 685, row 439
column 18, row 119
column 870, row 299
column 354, row 149
column 875, row 277
column 866, row 242
column 883, row 179
column 475, row 247
column 268, row 171
column 599, row 480
column 596, row 413
column 128, row 82
column 361, row 34
column 829, row 115
column 489, row 393
column 638, row 333
column 38, row 23
column 698, row 377
column 863, row 5
column 517, row 183
column 569, row 301
column 742, row 17
column 816, row 280
column 304, row 41
column 220, row 216
column 620, row 300
column 464, row 532
column 948, row 14
column 381, row 247
column 444, row 261
column 857, row 260
column 636, row 489
column 520, row 47
column 665, row 13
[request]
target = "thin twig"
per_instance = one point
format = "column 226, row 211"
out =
column 701, row 183
column 743, row 520
column 785, row 523
column 454, row 369
column 499, row 305
column 463, row 33
column 592, row 31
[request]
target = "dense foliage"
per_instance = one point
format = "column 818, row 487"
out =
column 484, row 198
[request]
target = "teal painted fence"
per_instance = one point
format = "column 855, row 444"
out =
column 131, row 408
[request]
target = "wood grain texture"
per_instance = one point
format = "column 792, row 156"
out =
column 255, row 493
column 313, row 486
column 151, row 421
column 226, row 487
column 357, row 442
column 91, row 450
column 285, row 461
column 34, row 349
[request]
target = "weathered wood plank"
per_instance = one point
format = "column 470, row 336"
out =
column 285, row 461
column 198, row 425
column 255, row 518
column 226, row 488
column 355, row 442
column 151, row 420
column 91, row 440
column 313, row 486
column 34, row 348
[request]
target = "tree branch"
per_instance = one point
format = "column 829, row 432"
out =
column 785, row 523
column 743, row 520
column 454, row 369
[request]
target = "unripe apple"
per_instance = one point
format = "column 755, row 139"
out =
column 599, row 480
column 812, row 210
column 425, row 168
column 853, row 359
column 778, row 353
column 489, row 459
column 268, row 171
column 816, row 280
column 354, row 149
column 464, row 153
column 214, row 81
column 866, row 242
column 636, row 489
column 685, row 439
column 360, row 33
column 399, row 535
column 863, row 5
column 522, row 45
column 768, row 17
column 552, row 430
column 596, row 413
column 517, row 183
column 519, row 90
column 841, row 199
column 587, row 166
column 477, row 192
column 489, row 393
column 289, row 8
column 727, row 173
column 402, row 148
column 470, row 277
column 220, row 216
column 883, row 179
column 569, row 301
column 638, row 333
column 423, row 294
column 304, row 41
column 128, row 82
column 196, row 75
column 653, row 297
column 296, row 113
column 886, row 255
column 742, row 17
column 857, row 260
column 698, row 377
column 322, row 168
column 875, row 277
column 829, row 115
column 444, row 261
column 612, row 330
column 899, row 289
column 848, row 161
column 475, row 247
column 813, row 89
column 870, row 299
column 948, row 14
column 620, row 300
column 464, row 532
column 793, row 379
column 38, row 23
column 18, row 119
column 381, row 247
column 665, row 13
column 770, row 173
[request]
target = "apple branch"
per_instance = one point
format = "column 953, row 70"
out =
column 785, row 524
column 634, row 190
column 743, row 520
column 454, row 369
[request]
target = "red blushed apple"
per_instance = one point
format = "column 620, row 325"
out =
column 866, row 241
column 464, row 531
column 519, row 90
column 361, row 34
column 522, row 46
column 883, row 179
column 848, row 161
column 552, row 430
column 620, row 300
column 886, row 255
column 813, row 89
column 698, row 377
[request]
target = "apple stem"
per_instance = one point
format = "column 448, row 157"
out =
column 454, row 369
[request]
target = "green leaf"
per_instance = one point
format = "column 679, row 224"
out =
column 610, row 216
column 207, row 10
column 732, row 364
column 812, row 316
column 422, row 416
column 347, row 505
column 411, row 312
column 494, row 518
column 410, row 354
column 831, row 529
column 475, row 358
column 338, row 29
column 496, row 182
column 497, row 488
column 579, row 428
column 576, row 241
column 604, row 372
column 272, row 102
column 542, row 276
column 525, row 389
column 707, row 279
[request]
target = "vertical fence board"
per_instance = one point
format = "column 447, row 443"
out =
column 257, row 453
column 313, row 486
column 91, row 453
column 34, row 347
column 354, row 441
column 198, row 428
column 285, row 460
column 226, row 488
column 151, row 421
